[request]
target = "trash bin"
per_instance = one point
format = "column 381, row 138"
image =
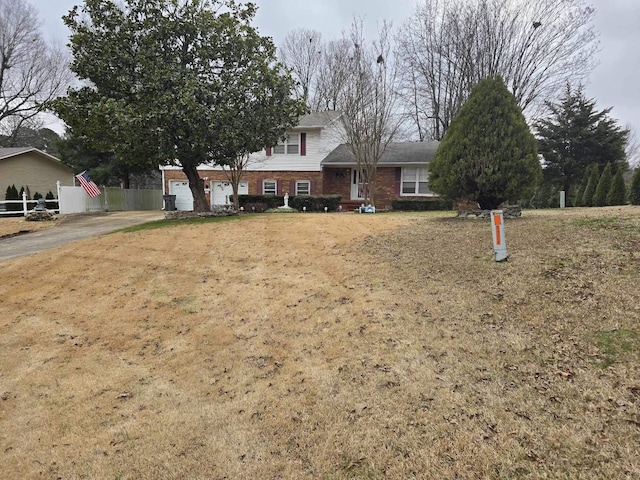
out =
column 169, row 202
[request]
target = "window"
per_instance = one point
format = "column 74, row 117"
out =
column 269, row 187
column 303, row 187
column 415, row 181
column 291, row 145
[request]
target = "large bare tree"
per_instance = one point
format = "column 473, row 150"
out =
column 301, row 51
column 32, row 71
column 448, row 46
column 368, row 101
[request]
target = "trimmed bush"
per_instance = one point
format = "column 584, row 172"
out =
column 422, row 205
column 314, row 203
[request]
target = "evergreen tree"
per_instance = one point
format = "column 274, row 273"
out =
column 12, row 194
column 592, row 184
column 634, row 191
column 488, row 154
column 618, row 191
column 604, row 184
column 578, row 197
column 576, row 135
column 166, row 81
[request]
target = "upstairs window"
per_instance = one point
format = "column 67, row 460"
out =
column 291, row 145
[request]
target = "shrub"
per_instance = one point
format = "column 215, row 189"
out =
column 423, row 205
column 590, row 189
column 618, row 192
column 50, row 196
column 634, row 191
column 12, row 194
column 604, row 184
column 314, row 203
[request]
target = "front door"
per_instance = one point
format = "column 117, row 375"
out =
column 357, row 190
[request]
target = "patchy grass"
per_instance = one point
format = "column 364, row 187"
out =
column 332, row 346
column 616, row 345
column 177, row 223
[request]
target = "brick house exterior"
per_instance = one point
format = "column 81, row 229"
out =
column 313, row 161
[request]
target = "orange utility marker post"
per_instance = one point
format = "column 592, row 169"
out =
column 499, row 243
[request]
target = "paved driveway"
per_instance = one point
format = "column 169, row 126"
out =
column 72, row 228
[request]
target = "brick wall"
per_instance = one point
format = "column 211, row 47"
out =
column 285, row 180
column 338, row 181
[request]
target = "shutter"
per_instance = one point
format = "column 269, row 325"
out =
column 259, row 187
column 278, row 187
column 268, row 151
column 303, row 144
column 312, row 187
column 398, row 180
column 292, row 187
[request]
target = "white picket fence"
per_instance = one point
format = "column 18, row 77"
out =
column 76, row 200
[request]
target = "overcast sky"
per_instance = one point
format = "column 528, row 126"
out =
column 614, row 83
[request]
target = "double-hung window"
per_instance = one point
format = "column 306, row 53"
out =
column 415, row 181
column 303, row 187
column 291, row 145
column 269, row 187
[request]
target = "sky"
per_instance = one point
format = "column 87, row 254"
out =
column 615, row 82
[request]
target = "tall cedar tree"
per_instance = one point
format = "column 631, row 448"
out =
column 604, row 184
column 592, row 184
column 488, row 154
column 579, row 194
column 179, row 82
column 618, row 192
column 634, row 190
column 574, row 136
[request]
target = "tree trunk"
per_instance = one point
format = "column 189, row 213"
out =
column 196, row 185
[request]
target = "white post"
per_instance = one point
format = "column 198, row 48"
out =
column 24, row 203
column 499, row 241
column 562, row 199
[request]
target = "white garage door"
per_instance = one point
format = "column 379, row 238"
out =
column 221, row 191
column 184, row 198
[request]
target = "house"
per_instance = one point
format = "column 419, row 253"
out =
column 313, row 161
column 33, row 169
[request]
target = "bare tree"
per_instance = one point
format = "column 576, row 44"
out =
column 301, row 51
column 32, row 72
column 632, row 149
column 448, row 46
column 368, row 102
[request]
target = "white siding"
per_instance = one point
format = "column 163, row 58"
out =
column 319, row 143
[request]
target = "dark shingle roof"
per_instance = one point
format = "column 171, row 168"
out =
column 404, row 153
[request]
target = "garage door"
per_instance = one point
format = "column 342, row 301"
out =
column 184, row 198
column 223, row 190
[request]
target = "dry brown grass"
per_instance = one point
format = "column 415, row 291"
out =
column 15, row 225
column 327, row 347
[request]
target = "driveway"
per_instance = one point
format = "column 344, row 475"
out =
column 72, row 228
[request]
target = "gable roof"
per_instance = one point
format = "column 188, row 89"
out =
column 318, row 119
column 15, row 151
column 396, row 154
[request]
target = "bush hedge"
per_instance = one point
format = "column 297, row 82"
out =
column 427, row 204
column 314, row 203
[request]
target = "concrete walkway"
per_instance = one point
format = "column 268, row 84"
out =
column 72, row 228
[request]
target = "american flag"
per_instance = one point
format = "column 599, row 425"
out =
column 88, row 185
